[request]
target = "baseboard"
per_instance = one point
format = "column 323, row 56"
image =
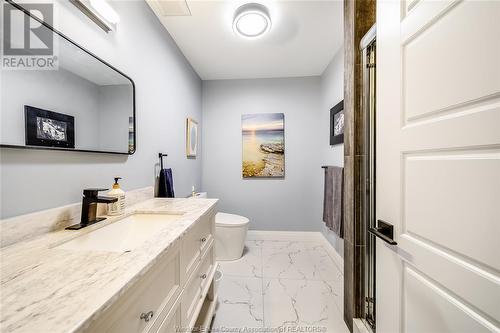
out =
column 305, row 236
column 338, row 260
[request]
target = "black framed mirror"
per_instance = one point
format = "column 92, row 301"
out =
column 57, row 95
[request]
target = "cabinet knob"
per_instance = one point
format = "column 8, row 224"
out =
column 203, row 240
column 204, row 276
column 147, row 316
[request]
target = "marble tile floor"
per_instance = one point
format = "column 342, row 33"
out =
column 280, row 286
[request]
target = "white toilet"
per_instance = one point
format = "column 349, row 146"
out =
column 230, row 234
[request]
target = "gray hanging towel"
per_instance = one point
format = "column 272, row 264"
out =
column 166, row 184
column 333, row 199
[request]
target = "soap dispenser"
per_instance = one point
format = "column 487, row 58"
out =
column 118, row 207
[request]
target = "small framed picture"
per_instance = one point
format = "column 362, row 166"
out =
column 191, row 137
column 48, row 129
column 337, row 124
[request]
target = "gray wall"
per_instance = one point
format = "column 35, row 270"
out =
column 332, row 92
column 167, row 91
column 292, row 203
column 101, row 112
column 75, row 96
column 114, row 106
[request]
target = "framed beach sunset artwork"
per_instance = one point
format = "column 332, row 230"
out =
column 263, row 145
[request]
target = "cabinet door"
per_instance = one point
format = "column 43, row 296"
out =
column 140, row 307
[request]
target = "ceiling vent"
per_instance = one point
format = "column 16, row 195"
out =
column 170, row 7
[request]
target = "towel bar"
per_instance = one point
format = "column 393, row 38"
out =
column 160, row 156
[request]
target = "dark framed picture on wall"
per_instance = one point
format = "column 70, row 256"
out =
column 49, row 129
column 337, row 124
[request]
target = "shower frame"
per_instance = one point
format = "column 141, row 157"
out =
column 368, row 102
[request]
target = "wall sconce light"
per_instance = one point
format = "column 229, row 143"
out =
column 100, row 12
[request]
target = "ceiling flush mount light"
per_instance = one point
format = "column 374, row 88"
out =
column 99, row 11
column 251, row 21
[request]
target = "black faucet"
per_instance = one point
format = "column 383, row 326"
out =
column 89, row 207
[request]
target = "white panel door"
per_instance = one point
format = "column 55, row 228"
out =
column 438, row 165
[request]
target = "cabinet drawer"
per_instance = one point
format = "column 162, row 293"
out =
column 195, row 242
column 206, row 229
column 191, row 296
column 172, row 323
column 196, row 287
column 206, row 267
column 158, row 289
column 190, row 254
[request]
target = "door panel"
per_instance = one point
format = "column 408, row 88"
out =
column 465, row 222
column 450, row 61
column 474, row 126
column 410, row 4
column 429, row 308
column 445, row 268
column 438, row 165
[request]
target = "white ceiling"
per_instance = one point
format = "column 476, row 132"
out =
column 304, row 37
column 86, row 66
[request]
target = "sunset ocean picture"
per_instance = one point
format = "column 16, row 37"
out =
column 263, row 137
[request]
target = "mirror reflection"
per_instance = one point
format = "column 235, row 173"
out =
column 81, row 103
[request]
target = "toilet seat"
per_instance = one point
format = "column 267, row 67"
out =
column 230, row 220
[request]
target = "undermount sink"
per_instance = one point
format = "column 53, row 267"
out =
column 123, row 235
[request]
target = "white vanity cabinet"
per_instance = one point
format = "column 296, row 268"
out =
column 170, row 296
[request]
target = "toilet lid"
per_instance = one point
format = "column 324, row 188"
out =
column 230, row 220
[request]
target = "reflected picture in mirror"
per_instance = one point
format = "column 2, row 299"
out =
column 131, row 135
column 49, row 129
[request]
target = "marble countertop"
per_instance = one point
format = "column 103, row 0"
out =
column 44, row 289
